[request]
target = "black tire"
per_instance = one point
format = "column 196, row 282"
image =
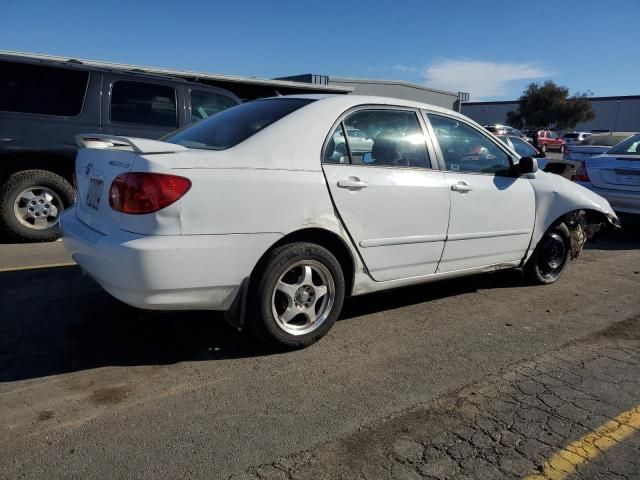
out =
column 263, row 297
column 10, row 224
column 550, row 257
column 543, row 148
column 562, row 148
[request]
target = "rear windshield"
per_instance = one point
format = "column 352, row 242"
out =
column 531, row 133
column 603, row 140
column 631, row 146
column 571, row 135
column 234, row 125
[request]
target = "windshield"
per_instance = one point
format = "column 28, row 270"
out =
column 234, row 125
column 523, row 148
column 571, row 135
column 603, row 140
column 631, row 146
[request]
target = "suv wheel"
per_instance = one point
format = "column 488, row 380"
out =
column 31, row 203
column 298, row 296
column 562, row 148
column 543, row 148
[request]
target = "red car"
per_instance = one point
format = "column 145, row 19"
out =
column 545, row 140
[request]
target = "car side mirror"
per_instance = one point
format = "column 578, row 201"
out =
column 527, row 165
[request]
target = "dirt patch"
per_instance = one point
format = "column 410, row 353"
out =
column 109, row 395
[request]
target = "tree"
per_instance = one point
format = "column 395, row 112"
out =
column 550, row 105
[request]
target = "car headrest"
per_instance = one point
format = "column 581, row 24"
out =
column 385, row 149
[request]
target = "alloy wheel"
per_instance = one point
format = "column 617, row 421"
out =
column 38, row 208
column 303, row 297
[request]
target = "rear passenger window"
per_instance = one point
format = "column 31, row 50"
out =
column 41, row 89
column 382, row 138
column 205, row 104
column 145, row 103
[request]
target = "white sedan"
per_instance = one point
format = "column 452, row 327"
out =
column 256, row 211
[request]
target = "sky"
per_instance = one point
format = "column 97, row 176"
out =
column 491, row 49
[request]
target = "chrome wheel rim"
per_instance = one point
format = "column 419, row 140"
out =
column 38, row 208
column 303, row 297
column 552, row 256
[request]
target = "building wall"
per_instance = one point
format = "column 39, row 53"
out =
column 384, row 88
column 398, row 89
column 612, row 113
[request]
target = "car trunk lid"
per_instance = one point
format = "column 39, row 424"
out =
column 100, row 160
column 618, row 173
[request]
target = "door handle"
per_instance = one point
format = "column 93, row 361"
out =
column 461, row 187
column 352, row 183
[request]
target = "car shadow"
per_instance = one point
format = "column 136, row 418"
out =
column 625, row 238
column 56, row 321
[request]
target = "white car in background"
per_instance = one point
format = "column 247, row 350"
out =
column 253, row 212
column 615, row 175
column 595, row 144
column 572, row 138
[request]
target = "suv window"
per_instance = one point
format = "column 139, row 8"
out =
column 146, row 103
column 204, row 104
column 385, row 138
column 41, row 89
column 465, row 149
column 553, row 135
column 234, row 125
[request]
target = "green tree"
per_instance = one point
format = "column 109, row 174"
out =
column 549, row 105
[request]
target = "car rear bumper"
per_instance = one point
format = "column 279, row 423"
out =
column 623, row 201
column 165, row 272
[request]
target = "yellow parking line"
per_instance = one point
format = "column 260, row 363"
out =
column 34, row 267
column 615, row 431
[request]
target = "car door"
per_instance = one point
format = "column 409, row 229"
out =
column 492, row 210
column 138, row 107
column 393, row 204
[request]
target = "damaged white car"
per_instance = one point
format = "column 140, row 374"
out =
column 259, row 212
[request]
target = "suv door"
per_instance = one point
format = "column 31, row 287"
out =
column 492, row 211
column 141, row 107
column 394, row 206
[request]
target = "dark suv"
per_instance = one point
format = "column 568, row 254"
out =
column 44, row 104
column 545, row 140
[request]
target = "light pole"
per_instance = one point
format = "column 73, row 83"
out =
column 615, row 124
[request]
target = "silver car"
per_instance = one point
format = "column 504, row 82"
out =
column 595, row 144
column 573, row 138
column 615, row 175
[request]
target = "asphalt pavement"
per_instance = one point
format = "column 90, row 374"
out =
column 90, row 388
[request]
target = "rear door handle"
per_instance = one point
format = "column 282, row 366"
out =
column 461, row 187
column 352, row 183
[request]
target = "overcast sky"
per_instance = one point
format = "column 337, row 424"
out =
column 491, row 49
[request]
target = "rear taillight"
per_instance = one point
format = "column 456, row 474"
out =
column 137, row 192
column 581, row 174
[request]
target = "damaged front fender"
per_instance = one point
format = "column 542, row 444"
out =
column 583, row 211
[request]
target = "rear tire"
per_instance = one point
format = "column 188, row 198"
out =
column 31, row 203
column 550, row 256
column 543, row 148
column 297, row 297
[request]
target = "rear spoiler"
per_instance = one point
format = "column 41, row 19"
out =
column 138, row 145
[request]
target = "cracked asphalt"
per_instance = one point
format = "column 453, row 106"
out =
column 481, row 377
column 507, row 426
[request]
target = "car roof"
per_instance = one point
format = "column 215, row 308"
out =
column 348, row 101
